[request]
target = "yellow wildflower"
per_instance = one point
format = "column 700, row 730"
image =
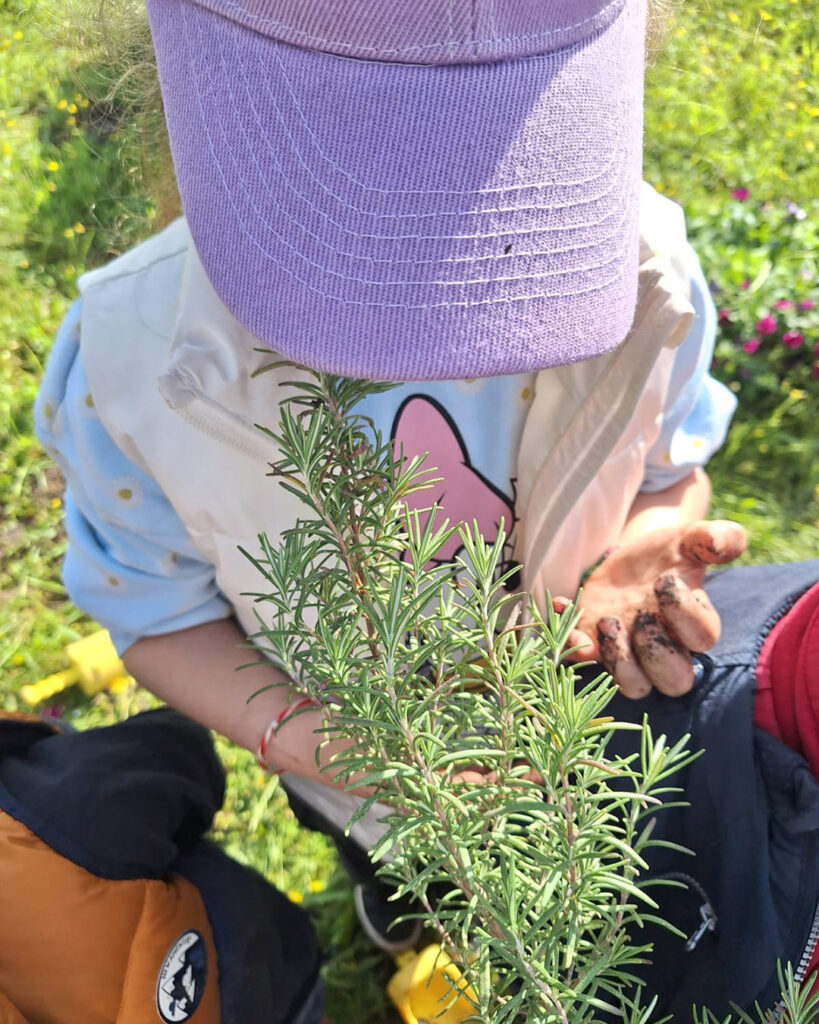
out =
column 295, row 897
column 316, row 886
column 77, row 97
column 68, row 233
column 55, row 503
column 6, row 149
column 72, row 108
column 5, row 44
column 79, row 229
column 797, row 394
column 18, row 35
column 71, row 121
column 51, row 186
column 765, row 16
column 52, row 166
column 62, row 104
column 17, row 659
column 11, row 123
column 733, row 17
column 810, row 145
column 813, row 111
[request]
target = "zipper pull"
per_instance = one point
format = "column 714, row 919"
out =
column 709, row 923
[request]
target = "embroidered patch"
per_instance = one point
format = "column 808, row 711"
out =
column 181, row 982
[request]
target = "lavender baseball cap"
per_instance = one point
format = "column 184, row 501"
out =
column 412, row 189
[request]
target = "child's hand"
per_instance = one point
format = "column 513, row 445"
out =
column 643, row 608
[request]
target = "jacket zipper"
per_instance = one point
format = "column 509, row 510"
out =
column 215, row 422
column 708, row 918
column 813, row 941
column 799, row 974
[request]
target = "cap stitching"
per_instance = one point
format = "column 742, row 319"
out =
column 421, row 192
column 323, row 214
column 307, row 37
column 371, row 304
column 333, row 249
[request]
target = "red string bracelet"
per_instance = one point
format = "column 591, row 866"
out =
column 273, row 727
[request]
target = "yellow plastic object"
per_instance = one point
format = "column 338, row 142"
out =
column 94, row 663
column 423, row 995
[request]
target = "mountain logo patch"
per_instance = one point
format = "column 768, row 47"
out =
column 181, row 982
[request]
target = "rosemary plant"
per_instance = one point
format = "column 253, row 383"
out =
column 521, row 840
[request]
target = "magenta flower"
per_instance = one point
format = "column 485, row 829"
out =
column 792, row 339
column 725, row 316
column 751, row 346
column 746, row 284
column 740, row 194
column 767, row 325
column 783, row 304
column 52, row 711
column 805, row 304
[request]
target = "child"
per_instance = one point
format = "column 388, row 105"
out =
column 447, row 194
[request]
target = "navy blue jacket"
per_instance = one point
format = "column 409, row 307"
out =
column 752, row 820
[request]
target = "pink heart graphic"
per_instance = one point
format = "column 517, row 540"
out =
column 421, row 425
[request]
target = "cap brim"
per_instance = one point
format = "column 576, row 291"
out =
column 401, row 221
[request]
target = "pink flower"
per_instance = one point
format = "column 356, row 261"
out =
column 805, row 304
column 725, row 316
column 740, row 194
column 751, row 346
column 767, row 325
column 52, row 711
column 792, row 339
column 783, row 304
column 746, row 284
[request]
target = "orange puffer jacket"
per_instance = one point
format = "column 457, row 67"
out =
column 113, row 909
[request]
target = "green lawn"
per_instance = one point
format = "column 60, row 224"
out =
column 731, row 104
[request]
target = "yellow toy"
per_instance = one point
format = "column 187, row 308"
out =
column 423, row 995
column 95, row 665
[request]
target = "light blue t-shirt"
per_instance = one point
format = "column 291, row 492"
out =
column 131, row 565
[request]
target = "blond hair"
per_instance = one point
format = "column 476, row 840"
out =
column 122, row 33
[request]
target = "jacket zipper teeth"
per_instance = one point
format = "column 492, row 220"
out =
column 222, row 427
column 813, row 941
column 801, row 971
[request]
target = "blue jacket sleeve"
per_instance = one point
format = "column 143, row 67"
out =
column 130, row 563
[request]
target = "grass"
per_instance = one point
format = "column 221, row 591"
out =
column 731, row 103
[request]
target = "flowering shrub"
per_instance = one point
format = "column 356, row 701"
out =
column 762, row 261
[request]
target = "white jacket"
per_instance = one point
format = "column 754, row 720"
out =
column 153, row 327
